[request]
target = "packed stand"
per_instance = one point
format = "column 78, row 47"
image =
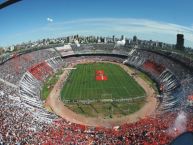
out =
column 18, row 125
column 13, row 69
column 156, row 130
column 16, row 122
column 168, row 75
column 99, row 49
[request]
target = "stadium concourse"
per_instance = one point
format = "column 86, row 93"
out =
column 24, row 120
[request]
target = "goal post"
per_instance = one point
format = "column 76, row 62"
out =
column 106, row 96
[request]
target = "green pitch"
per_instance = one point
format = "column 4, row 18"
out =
column 81, row 83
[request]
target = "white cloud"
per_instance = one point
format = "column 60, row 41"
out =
column 142, row 28
column 127, row 26
column 49, row 20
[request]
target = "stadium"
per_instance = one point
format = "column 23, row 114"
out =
column 94, row 87
column 32, row 119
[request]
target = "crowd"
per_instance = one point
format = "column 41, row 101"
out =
column 155, row 130
column 100, row 48
column 93, row 58
column 19, row 126
column 168, row 78
column 180, row 71
column 154, row 67
column 13, row 70
column 92, row 47
column 17, row 119
column 40, row 70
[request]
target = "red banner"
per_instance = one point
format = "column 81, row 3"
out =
column 100, row 75
column 100, row 72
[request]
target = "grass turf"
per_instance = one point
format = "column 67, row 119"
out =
column 49, row 84
column 107, row 110
column 81, row 83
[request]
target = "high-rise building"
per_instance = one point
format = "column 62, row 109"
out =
column 105, row 40
column 135, row 39
column 122, row 37
column 113, row 38
column 69, row 39
column 180, row 42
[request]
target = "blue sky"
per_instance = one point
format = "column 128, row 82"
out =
column 148, row 19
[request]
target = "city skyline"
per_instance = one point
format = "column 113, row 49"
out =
column 35, row 20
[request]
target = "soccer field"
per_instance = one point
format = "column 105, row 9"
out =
column 83, row 85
